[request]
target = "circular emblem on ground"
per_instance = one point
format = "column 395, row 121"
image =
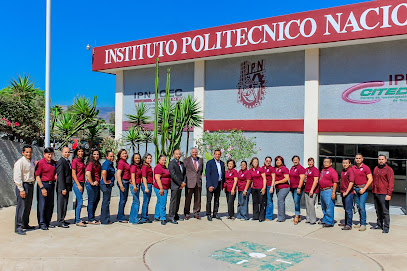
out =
column 252, row 84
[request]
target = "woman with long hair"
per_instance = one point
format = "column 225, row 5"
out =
column 106, row 185
column 123, row 182
column 93, row 172
column 297, row 177
column 258, row 190
column 271, row 179
column 135, row 170
column 244, row 189
column 78, row 176
column 230, row 187
column 282, row 186
column 146, row 186
column 162, row 182
column 311, row 191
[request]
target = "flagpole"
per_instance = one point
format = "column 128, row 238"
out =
column 47, row 75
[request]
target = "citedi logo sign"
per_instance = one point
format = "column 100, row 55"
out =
column 252, row 84
column 376, row 91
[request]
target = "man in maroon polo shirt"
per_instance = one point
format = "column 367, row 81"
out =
column 328, row 182
column 363, row 179
column 383, row 186
column 347, row 182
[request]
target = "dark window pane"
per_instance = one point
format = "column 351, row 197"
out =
column 345, row 150
column 327, row 149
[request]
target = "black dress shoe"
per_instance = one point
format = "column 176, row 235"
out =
column 51, row 226
column 385, row 231
column 261, row 220
column 173, row 221
column 44, row 228
column 327, row 226
column 377, row 227
column 217, row 217
column 156, row 219
column 321, row 223
column 63, row 226
column 20, row 231
column 209, row 217
column 163, row 222
column 67, row 223
column 28, row 227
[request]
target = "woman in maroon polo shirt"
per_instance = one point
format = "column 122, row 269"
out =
column 297, row 177
column 258, row 190
column 162, row 183
column 244, row 189
column 135, row 170
column 282, row 186
column 311, row 191
column 146, row 186
column 93, row 174
column 78, row 175
column 123, row 181
column 230, row 187
column 271, row 178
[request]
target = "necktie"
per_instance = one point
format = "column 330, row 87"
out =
column 195, row 166
column 180, row 168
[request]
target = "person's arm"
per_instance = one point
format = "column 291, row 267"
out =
column 333, row 195
column 41, row 186
column 390, row 187
column 208, row 176
column 144, row 178
column 301, row 184
column 75, row 178
column 369, row 182
column 314, row 185
column 173, row 173
column 159, row 183
column 263, row 190
column 247, row 187
column 119, row 178
column 18, row 177
column 273, row 182
column 61, row 176
column 234, row 186
column 351, row 183
column 89, row 177
column 285, row 180
column 133, row 181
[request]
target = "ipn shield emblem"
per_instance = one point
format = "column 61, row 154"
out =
column 252, row 84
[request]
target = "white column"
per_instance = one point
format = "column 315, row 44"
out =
column 48, row 75
column 199, row 94
column 119, row 105
column 311, row 105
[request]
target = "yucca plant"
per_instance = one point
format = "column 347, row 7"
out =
column 193, row 115
column 147, row 138
column 140, row 118
column 134, row 137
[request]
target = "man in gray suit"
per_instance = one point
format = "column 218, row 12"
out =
column 194, row 168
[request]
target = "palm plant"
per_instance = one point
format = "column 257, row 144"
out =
column 84, row 109
column 141, row 117
column 23, row 87
column 193, row 115
column 134, row 137
column 65, row 124
column 147, row 138
column 94, row 132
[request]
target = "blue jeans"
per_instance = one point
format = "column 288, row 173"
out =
column 160, row 206
column 135, row 206
column 243, row 205
column 105, row 211
column 348, row 206
column 297, row 200
column 146, row 201
column 78, row 201
column 281, row 195
column 269, row 204
column 328, row 206
column 361, row 204
column 93, row 200
column 123, row 200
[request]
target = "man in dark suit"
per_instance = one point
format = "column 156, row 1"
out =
column 177, row 171
column 215, row 177
column 64, row 185
column 194, row 168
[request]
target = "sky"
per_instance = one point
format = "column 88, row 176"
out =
column 75, row 24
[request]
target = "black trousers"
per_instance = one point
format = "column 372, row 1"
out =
column 23, row 208
column 259, row 204
column 231, row 203
column 382, row 211
column 174, row 203
column 45, row 205
column 62, row 205
column 215, row 194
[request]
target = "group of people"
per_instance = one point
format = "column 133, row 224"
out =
column 261, row 182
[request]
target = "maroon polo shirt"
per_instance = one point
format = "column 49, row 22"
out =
column 310, row 174
column 347, row 176
column 268, row 171
column 95, row 171
column 230, row 176
column 257, row 178
column 295, row 173
column 242, row 178
column 165, row 176
column 328, row 177
column 361, row 174
column 147, row 172
column 280, row 172
column 136, row 170
column 46, row 170
column 79, row 167
column 383, row 180
column 125, row 168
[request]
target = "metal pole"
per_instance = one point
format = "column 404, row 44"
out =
column 47, row 75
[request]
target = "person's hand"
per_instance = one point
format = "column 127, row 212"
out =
column 210, row 189
column 344, row 194
column 64, row 192
column 298, row 191
column 362, row 191
column 271, row 190
column 182, row 185
column 333, row 196
column 311, row 194
column 96, row 183
column 244, row 193
column 135, row 188
column 22, row 194
column 233, row 192
column 122, row 188
column 108, row 182
column 44, row 192
column 80, row 187
column 387, row 197
column 147, row 191
column 263, row 191
column 161, row 192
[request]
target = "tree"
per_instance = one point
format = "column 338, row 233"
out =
column 192, row 114
column 134, row 137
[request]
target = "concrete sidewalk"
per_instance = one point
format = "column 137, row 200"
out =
column 202, row 245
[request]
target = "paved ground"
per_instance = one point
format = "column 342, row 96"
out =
column 202, row 245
